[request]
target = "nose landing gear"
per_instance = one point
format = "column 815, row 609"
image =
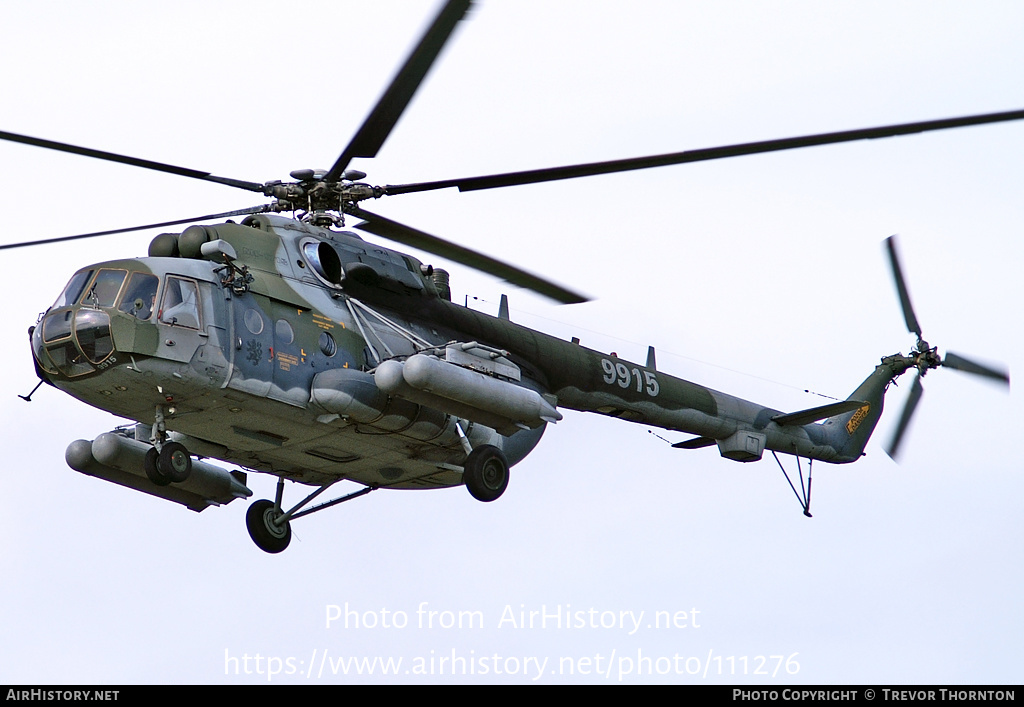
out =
column 172, row 464
column 167, row 462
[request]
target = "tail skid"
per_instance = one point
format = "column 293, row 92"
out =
column 850, row 422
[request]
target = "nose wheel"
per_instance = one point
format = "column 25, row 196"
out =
column 172, row 464
column 167, row 462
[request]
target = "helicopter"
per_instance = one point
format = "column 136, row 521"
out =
column 293, row 347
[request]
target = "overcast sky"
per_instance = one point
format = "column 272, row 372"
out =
column 760, row 276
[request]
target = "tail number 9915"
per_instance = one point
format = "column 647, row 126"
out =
column 618, row 372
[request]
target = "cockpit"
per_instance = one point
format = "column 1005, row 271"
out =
column 74, row 337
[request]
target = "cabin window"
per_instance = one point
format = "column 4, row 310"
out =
column 180, row 306
column 253, row 321
column 327, row 344
column 139, row 297
column 283, row 332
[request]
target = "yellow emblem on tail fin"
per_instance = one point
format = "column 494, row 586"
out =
column 858, row 417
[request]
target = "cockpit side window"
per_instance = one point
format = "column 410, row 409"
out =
column 180, row 305
column 139, row 297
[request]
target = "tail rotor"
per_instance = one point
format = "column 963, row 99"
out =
column 924, row 357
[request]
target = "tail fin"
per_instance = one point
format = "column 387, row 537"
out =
column 851, row 431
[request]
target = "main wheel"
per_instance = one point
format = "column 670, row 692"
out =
column 174, row 462
column 153, row 472
column 268, row 535
column 485, row 473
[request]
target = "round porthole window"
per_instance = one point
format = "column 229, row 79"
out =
column 253, row 321
column 283, row 332
column 327, row 344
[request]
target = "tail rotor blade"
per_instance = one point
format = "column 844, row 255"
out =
column 951, row 360
column 901, row 286
column 913, row 399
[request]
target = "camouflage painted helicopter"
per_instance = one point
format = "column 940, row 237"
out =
column 292, row 347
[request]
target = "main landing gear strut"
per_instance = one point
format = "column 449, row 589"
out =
column 269, row 525
column 485, row 474
column 485, row 471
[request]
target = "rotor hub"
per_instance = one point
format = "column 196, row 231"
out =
column 926, row 358
column 323, row 203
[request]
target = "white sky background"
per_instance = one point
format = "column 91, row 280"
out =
column 761, row 276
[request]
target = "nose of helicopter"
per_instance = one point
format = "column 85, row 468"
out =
column 72, row 341
column 76, row 337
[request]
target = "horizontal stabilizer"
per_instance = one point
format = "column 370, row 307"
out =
column 818, row 413
column 695, row 443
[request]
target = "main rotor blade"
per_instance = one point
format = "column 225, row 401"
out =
column 134, row 161
column 913, row 399
column 901, row 286
column 712, row 153
column 208, row 217
column 378, row 125
column 951, row 360
column 406, row 235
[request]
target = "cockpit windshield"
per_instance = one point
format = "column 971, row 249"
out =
column 139, row 297
column 74, row 289
column 76, row 333
column 103, row 290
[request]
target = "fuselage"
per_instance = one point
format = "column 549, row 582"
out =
column 268, row 359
